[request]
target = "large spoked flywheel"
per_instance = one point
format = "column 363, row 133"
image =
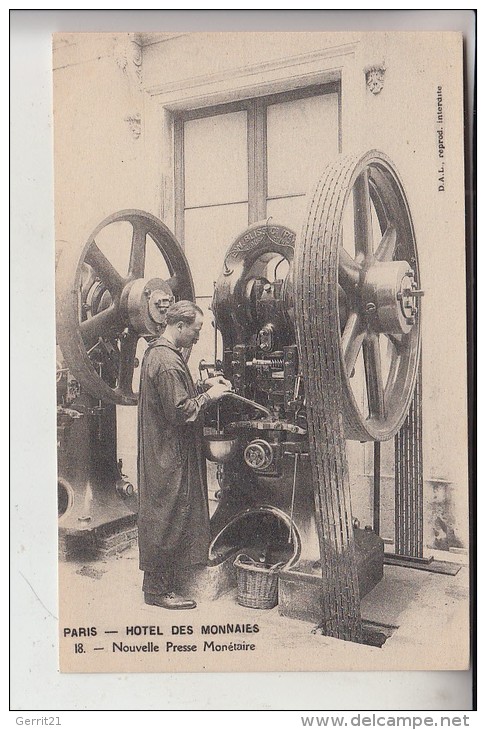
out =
column 359, row 238
column 113, row 290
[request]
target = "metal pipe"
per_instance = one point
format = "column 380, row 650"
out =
column 248, row 402
column 294, row 483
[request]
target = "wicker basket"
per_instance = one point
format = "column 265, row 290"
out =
column 257, row 583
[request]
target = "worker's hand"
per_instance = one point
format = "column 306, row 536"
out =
column 217, row 380
column 219, row 389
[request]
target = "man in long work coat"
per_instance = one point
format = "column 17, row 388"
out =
column 173, row 520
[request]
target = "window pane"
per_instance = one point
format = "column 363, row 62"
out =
column 302, row 137
column 208, row 233
column 288, row 212
column 215, row 160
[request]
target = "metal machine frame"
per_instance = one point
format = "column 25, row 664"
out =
column 290, row 347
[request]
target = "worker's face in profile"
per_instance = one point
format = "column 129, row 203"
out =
column 189, row 333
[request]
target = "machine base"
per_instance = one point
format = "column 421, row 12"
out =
column 300, row 587
column 100, row 543
column 429, row 564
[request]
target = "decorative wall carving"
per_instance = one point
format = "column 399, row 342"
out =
column 134, row 122
column 375, row 77
column 128, row 57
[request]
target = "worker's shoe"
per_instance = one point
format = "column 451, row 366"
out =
column 169, row 600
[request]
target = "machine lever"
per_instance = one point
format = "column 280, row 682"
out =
column 248, row 402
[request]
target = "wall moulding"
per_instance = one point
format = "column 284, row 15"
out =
column 74, row 49
column 284, row 74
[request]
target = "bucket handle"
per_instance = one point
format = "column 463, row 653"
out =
column 238, row 562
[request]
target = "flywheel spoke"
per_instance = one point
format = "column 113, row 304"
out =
column 128, row 349
column 387, row 245
column 363, row 229
column 352, row 341
column 393, row 371
column 136, row 267
column 101, row 325
column 105, row 270
column 397, row 341
column 374, row 376
column 348, row 272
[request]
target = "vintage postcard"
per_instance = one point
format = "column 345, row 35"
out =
column 261, row 343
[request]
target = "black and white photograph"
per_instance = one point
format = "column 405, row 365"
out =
column 261, row 351
column 243, row 270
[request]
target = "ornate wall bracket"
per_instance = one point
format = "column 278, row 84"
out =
column 375, row 77
column 134, row 122
column 128, row 57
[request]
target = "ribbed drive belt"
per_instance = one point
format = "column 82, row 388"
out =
column 318, row 334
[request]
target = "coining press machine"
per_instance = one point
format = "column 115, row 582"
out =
column 320, row 338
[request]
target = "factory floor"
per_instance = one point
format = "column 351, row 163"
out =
column 425, row 614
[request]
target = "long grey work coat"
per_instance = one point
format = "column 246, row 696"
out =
column 173, row 520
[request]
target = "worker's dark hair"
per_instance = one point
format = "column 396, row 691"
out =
column 183, row 311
